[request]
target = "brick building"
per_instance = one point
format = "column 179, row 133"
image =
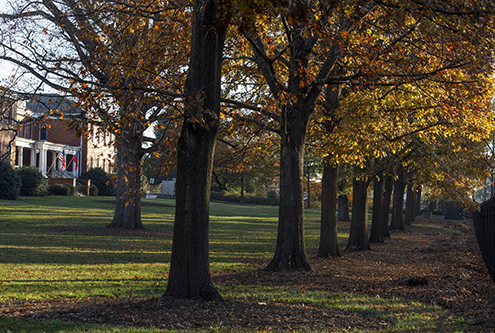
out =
column 46, row 133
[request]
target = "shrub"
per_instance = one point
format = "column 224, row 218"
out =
column 70, row 189
column 10, row 183
column 93, row 190
column 101, row 180
column 59, row 189
column 249, row 198
column 33, row 183
column 272, row 195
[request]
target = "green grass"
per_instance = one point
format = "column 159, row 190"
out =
column 36, row 263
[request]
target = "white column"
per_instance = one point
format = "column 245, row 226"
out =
column 43, row 161
column 33, row 156
column 54, row 161
column 21, row 156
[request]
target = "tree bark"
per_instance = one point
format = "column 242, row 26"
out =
column 290, row 251
column 388, row 185
column 358, row 236
column 410, row 205
column 189, row 275
column 397, row 222
column 417, row 197
column 376, row 235
column 329, row 245
column 128, row 197
column 343, row 208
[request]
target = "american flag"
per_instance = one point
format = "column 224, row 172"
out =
column 61, row 158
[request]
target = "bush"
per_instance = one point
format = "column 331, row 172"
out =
column 61, row 189
column 33, row 183
column 10, row 183
column 93, row 190
column 101, row 180
column 71, row 189
column 58, row 189
column 249, row 198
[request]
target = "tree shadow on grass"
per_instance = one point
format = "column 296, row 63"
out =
column 190, row 314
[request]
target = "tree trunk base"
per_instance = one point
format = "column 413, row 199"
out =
column 357, row 248
column 376, row 240
column 117, row 225
column 328, row 254
column 294, row 265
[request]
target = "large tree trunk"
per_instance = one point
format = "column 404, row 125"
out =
column 290, row 250
column 376, row 235
column 189, row 275
column 417, row 197
column 128, row 197
column 343, row 208
column 410, row 205
column 358, row 236
column 388, row 185
column 397, row 222
column 329, row 245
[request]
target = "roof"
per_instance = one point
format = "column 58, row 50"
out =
column 42, row 104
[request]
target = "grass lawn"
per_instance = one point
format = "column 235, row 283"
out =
column 39, row 262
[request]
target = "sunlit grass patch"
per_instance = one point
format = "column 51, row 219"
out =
column 78, row 280
column 37, row 262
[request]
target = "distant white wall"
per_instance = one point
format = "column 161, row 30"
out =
column 168, row 188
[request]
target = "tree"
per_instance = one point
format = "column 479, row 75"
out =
column 379, row 44
column 189, row 275
column 328, row 231
column 293, row 102
column 376, row 234
column 329, row 245
column 358, row 234
column 245, row 157
column 388, row 184
column 116, row 59
column 344, row 187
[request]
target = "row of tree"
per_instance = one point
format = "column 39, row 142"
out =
column 392, row 88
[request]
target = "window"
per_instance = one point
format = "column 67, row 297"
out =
column 91, row 165
column 103, row 165
column 11, row 114
column 43, row 134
